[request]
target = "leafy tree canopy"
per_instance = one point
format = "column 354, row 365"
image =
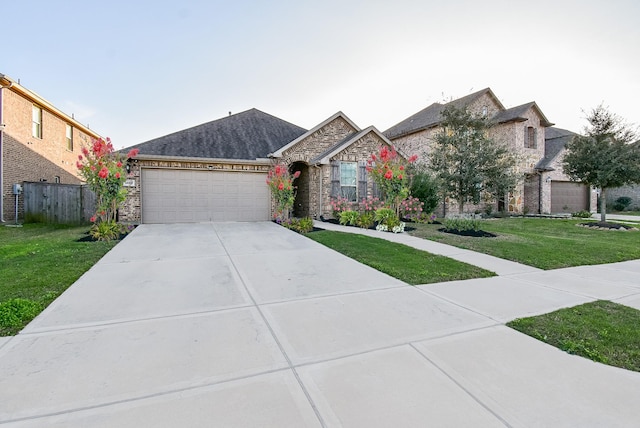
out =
column 467, row 162
column 605, row 156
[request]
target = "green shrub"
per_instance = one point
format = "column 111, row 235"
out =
column 426, row 218
column 349, row 217
column 382, row 215
column 388, row 221
column 365, row 220
column 105, row 230
column 339, row 205
column 14, row 313
column 582, row 214
column 621, row 203
column 305, row 225
column 462, row 223
column 425, row 188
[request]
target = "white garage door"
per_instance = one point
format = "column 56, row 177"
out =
column 183, row 196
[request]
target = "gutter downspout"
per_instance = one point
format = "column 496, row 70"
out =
column 319, row 169
column 539, row 192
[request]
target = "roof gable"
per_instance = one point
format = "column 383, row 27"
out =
column 517, row 114
column 432, row 115
column 554, row 143
column 339, row 115
column 249, row 135
column 325, row 157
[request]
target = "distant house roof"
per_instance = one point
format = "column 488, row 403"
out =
column 249, row 135
column 517, row 114
column 555, row 141
column 431, row 116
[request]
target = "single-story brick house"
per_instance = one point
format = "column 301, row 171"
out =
column 527, row 132
column 217, row 171
column 332, row 159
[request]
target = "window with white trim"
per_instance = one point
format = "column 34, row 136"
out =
column 70, row 138
column 349, row 180
column 36, row 122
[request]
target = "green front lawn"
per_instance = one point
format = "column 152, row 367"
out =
column 37, row 263
column 601, row 331
column 400, row 261
column 543, row 243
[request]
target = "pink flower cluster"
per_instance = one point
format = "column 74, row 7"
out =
column 103, row 170
column 340, row 204
column 388, row 164
column 279, row 178
column 370, row 204
column 411, row 208
column 280, row 181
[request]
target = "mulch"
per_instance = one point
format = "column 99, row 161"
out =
column 470, row 233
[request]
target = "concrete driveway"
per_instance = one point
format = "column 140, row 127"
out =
column 252, row 325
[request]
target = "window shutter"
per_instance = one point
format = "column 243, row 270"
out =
column 535, row 138
column 362, row 180
column 526, row 136
column 375, row 191
column 335, row 179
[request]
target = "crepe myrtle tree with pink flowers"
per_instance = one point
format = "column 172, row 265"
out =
column 389, row 171
column 103, row 170
column 280, row 182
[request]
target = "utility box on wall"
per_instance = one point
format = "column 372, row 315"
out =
column 17, row 189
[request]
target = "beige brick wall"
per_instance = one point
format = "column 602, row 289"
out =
column 360, row 150
column 318, row 142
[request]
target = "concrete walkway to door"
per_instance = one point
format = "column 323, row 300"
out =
column 250, row 324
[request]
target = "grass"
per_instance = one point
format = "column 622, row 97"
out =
column 601, row 331
column 400, row 261
column 543, row 243
column 37, row 263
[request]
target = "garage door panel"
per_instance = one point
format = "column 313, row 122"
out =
column 568, row 197
column 184, row 196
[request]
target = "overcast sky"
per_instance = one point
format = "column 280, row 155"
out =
column 136, row 70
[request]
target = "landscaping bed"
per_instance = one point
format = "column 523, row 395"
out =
column 542, row 243
column 603, row 225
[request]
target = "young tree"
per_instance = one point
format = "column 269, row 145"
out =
column 605, row 156
column 467, row 162
column 280, row 182
column 389, row 171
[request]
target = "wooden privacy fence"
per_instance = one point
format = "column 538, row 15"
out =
column 58, row 203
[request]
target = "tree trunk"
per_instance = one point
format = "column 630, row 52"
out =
column 603, row 205
column 461, row 205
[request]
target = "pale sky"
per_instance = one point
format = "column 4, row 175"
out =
column 137, row 70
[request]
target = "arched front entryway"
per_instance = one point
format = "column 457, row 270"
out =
column 302, row 183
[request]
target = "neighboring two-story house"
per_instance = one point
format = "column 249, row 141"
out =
column 544, row 188
column 38, row 143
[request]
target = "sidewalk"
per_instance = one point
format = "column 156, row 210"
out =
column 619, row 217
column 494, row 264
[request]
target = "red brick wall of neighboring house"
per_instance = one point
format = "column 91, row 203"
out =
column 23, row 164
column 29, row 158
